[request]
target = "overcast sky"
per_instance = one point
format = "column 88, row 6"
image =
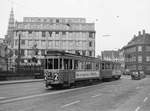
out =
column 120, row 19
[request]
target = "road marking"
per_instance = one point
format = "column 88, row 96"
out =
column 138, row 108
column 66, row 105
column 137, row 87
column 145, row 99
column 40, row 95
column 2, row 97
column 96, row 95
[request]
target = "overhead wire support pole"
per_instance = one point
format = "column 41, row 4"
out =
column 19, row 57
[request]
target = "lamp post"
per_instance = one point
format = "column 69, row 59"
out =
column 18, row 59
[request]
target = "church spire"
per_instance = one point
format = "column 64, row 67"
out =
column 11, row 24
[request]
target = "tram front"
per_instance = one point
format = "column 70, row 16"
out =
column 52, row 71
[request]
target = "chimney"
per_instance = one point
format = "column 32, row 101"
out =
column 143, row 32
column 139, row 33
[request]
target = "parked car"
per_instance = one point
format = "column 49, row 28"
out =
column 126, row 72
column 137, row 75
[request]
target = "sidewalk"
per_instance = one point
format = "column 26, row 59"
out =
column 20, row 81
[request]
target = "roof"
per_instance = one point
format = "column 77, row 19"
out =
column 139, row 40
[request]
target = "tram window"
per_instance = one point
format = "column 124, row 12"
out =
column 107, row 66
column 60, row 63
column 65, row 64
column 97, row 66
column 50, row 63
column 113, row 66
column 76, row 64
column 79, row 65
column 46, row 64
column 88, row 65
column 70, row 64
column 83, row 65
column 55, row 63
column 103, row 66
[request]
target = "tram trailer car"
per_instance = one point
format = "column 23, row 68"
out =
column 65, row 69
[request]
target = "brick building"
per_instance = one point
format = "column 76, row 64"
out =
column 137, row 53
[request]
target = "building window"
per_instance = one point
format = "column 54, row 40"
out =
column 30, row 32
column 16, row 42
column 91, row 34
column 30, row 42
column 139, row 48
column 42, row 52
column 139, row 59
column 22, row 52
column 16, row 52
column 50, row 34
column 139, row 67
column 83, row 53
column 147, row 68
column 57, row 20
column 22, row 42
column 56, row 33
column 90, row 53
column 147, row 48
column 43, row 34
column 90, row 44
column 29, row 52
column 43, row 43
column 148, row 59
column 63, row 33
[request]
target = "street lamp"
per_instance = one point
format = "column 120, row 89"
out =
column 19, row 56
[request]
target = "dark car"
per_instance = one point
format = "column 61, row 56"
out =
column 137, row 75
column 126, row 72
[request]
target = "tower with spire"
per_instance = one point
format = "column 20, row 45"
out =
column 10, row 31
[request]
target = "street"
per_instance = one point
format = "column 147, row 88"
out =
column 121, row 95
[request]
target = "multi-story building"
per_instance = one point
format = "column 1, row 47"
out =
column 110, row 55
column 137, row 53
column 39, row 34
column 3, row 65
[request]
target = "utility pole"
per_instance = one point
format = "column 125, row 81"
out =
column 19, row 57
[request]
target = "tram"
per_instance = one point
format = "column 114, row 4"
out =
column 64, row 69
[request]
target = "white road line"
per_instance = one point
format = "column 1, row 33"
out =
column 40, row 95
column 145, row 99
column 137, row 109
column 96, row 95
column 66, row 105
column 137, row 87
column 2, row 97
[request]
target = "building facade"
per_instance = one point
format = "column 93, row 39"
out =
column 35, row 35
column 3, row 63
column 137, row 53
column 110, row 55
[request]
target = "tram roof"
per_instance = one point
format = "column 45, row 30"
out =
column 67, row 54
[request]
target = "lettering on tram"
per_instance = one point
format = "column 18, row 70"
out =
column 64, row 69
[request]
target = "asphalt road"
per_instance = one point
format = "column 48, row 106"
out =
column 121, row 95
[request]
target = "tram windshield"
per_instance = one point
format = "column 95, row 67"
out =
column 58, row 63
column 70, row 64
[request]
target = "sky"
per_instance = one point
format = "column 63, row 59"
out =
column 116, row 21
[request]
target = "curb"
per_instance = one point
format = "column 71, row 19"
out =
column 20, row 81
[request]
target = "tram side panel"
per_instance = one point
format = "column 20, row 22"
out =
column 85, row 75
column 68, row 77
column 106, row 74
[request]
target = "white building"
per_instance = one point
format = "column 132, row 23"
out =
column 73, row 35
